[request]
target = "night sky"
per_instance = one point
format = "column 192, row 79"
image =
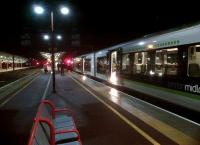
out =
column 100, row 23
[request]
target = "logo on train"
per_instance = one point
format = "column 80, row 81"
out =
column 194, row 89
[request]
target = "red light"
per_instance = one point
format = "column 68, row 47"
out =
column 68, row 61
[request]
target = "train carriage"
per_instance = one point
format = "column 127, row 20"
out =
column 170, row 59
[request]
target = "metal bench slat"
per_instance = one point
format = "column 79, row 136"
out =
column 66, row 137
column 71, row 143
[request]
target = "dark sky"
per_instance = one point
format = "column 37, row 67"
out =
column 101, row 23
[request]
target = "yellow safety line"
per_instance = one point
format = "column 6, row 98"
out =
column 13, row 95
column 140, row 131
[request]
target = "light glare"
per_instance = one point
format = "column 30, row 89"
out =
column 84, row 78
column 46, row 37
column 141, row 43
column 59, row 37
column 64, row 10
column 38, row 9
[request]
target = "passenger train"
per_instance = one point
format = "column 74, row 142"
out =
column 170, row 59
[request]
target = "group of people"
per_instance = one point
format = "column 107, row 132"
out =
column 60, row 67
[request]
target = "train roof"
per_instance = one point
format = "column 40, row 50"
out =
column 186, row 34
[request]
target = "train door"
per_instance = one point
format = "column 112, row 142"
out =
column 194, row 61
column 83, row 63
column 113, row 75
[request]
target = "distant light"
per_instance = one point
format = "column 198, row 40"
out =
column 64, row 10
column 68, row 61
column 46, row 37
column 169, row 57
column 150, row 46
column 151, row 72
column 154, row 41
column 197, row 45
column 141, row 43
column 59, row 37
column 38, row 9
column 37, row 63
column 160, row 74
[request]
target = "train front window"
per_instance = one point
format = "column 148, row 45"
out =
column 194, row 61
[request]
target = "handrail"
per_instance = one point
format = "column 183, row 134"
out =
column 53, row 107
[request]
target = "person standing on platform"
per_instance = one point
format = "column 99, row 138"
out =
column 62, row 69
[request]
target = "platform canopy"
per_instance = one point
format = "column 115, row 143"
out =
column 47, row 56
column 8, row 58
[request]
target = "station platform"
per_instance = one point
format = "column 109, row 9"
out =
column 11, row 69
column 104, row 115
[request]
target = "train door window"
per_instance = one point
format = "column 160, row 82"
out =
column 87, row 64
column 160, row 61
column 83, row 64
column 102, row 65
column 139, row 63
column 172, row 61
column 194, row 61
column 126, row 62
column 150, row 63
column 114, row 62
column 78, row 64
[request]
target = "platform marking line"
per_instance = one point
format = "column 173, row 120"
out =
column 140, row 131
column 46, row 89
column 17, row 92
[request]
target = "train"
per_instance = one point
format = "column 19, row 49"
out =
column 170, row 59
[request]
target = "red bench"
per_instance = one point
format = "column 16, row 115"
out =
column 54, row 126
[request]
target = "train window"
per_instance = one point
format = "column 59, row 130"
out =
column 87, row 65
column 78, row 64
column 166, row 62
column 172, row 61
column 160, row 60
column 150, row 63
column 139, row 63
column 194, row 61
column 126, row 62
column 102, row 65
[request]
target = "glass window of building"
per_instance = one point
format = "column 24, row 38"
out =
column 194, row 61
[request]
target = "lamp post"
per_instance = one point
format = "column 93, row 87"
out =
column 65, row 11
